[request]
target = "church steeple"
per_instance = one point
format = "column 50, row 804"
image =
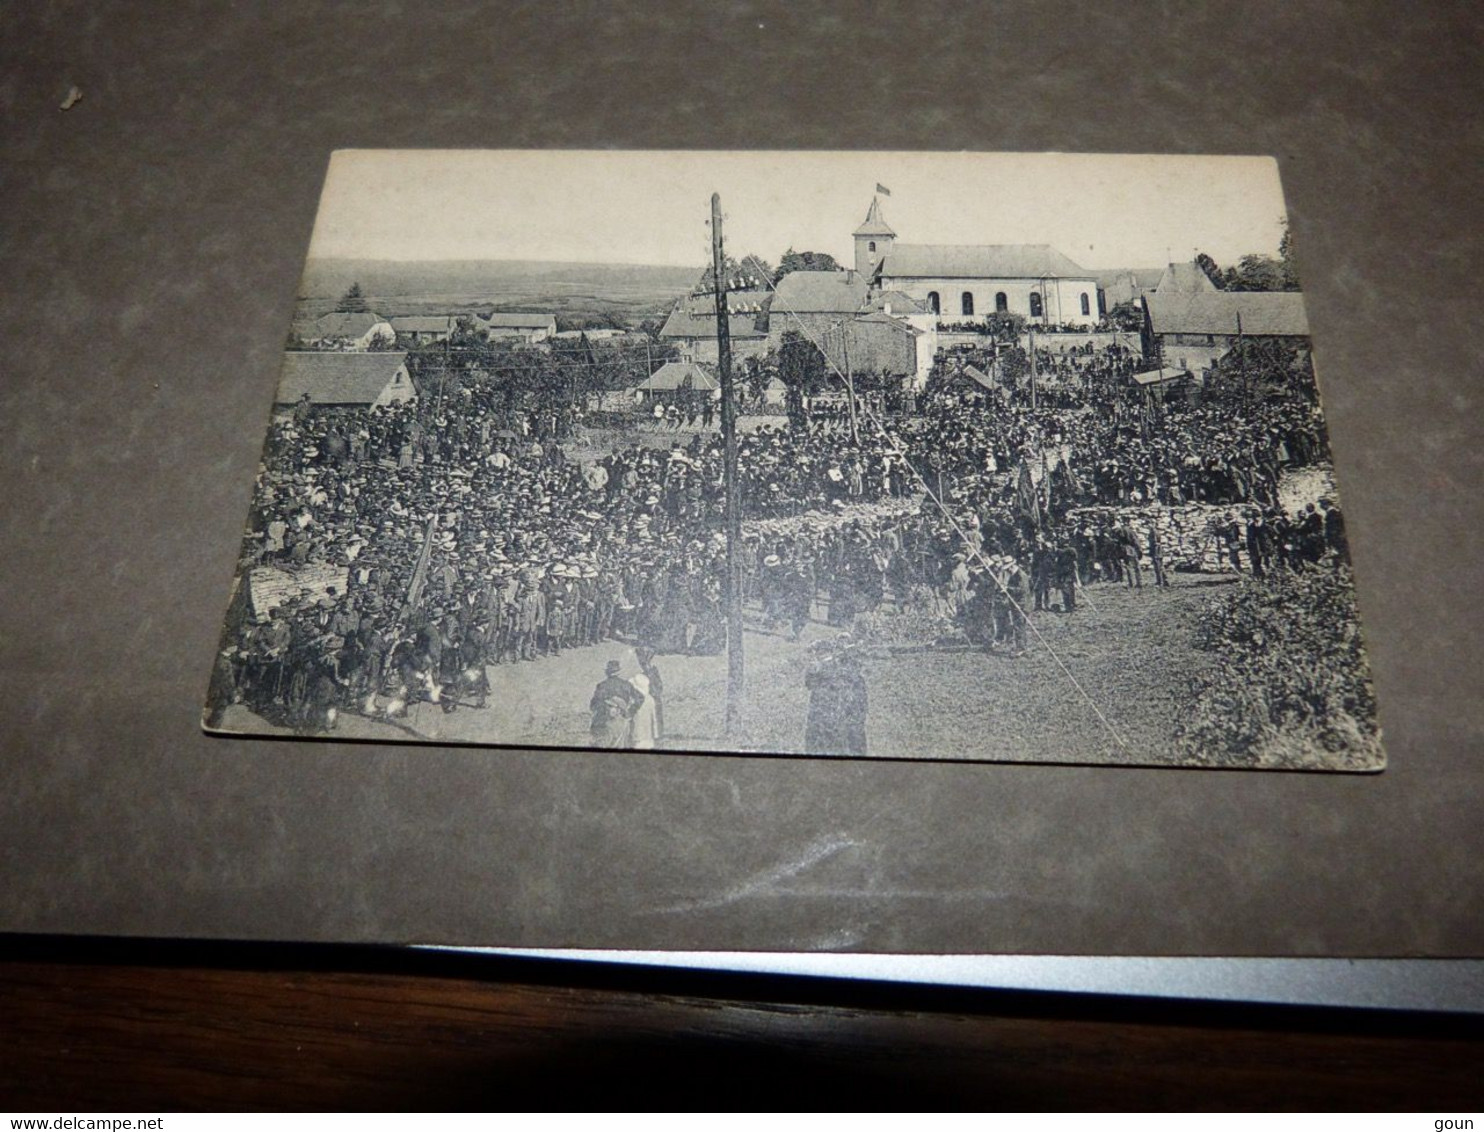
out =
column 872, row 240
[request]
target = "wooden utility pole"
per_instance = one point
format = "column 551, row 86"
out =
column 1032, row 331
column 442, row 378
column 736, row 667
column 1242, row 361
column 855, row 435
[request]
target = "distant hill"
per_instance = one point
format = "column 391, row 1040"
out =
column 631, row 292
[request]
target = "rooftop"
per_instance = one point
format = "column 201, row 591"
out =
column 1263, row 314
column 1185, row 277
column 821, row 292
column 980, row 261
column 337, row 378
column 695, row 317
column 338, row 324
column 422, row 324
column 672, row 375
column 521, row 320
column 874, row 224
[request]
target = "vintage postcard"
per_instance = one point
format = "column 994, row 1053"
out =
column 1004, row 457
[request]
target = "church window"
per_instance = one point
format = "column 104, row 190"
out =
column 1001, row 302
column 1086, row 306
column 933, row 302
column 967, row 302
column 872, row 245
column 1036, row 309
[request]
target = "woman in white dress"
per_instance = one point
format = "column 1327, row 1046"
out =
column 643, row 726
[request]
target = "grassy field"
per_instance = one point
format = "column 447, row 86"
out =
column 629, row 292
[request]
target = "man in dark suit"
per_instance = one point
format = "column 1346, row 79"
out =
column 614, row 703
column 837, row 700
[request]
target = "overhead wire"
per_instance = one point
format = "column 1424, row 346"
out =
column 953, row 521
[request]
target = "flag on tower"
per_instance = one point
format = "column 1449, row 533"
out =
column 882, row 189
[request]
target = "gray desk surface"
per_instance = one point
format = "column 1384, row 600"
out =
column 153, row 236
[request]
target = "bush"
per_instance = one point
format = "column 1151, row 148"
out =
column 1288, row 684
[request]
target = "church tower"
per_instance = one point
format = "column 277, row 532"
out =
column 872, row 240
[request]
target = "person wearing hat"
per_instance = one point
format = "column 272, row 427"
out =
column 614, row 704
column 838, row 699
column 1012, row 618
column 529, row 617
column 798, row 585
column 1334, row 531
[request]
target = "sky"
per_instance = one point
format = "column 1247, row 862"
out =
column 653, row 207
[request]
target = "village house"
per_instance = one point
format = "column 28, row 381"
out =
column 859, row 331
column 878, row 343
column 691, row 325
column 1184, row 279
column 419, row 329
column 343, row 380
column 816, row 304
column 901, row 306
column 344, row 330
column 1190, row 330
column 969, row 282
column 526, row 326
column 1125, row 285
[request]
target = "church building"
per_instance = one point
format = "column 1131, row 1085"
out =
column 969, row 282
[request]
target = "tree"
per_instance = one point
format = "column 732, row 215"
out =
column 1213, row 272
column 467, row 332
column 1005, row 327
column 801, row 368
column 1285, row 257
column 804, row 261
column 1260, row 370
column 1015, row 366
column 353, row 301
column 1128, row 315
column 756, row 375
column 1256, row 273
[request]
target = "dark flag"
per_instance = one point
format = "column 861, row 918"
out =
column 882, row 189
column 419, row 571
column 1074, row 485
column 1027, row 499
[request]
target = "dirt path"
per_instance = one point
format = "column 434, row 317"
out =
column 1128, row 650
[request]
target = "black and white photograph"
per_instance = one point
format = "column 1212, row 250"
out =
column 1002, row 457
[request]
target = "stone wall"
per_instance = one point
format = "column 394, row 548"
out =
column 1187, row 534
column 1099, row 340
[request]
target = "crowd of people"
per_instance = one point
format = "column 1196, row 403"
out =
column 466, row 533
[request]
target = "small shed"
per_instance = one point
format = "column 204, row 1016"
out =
column 976, row 375
column 666, row 381
column 1158, row 384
